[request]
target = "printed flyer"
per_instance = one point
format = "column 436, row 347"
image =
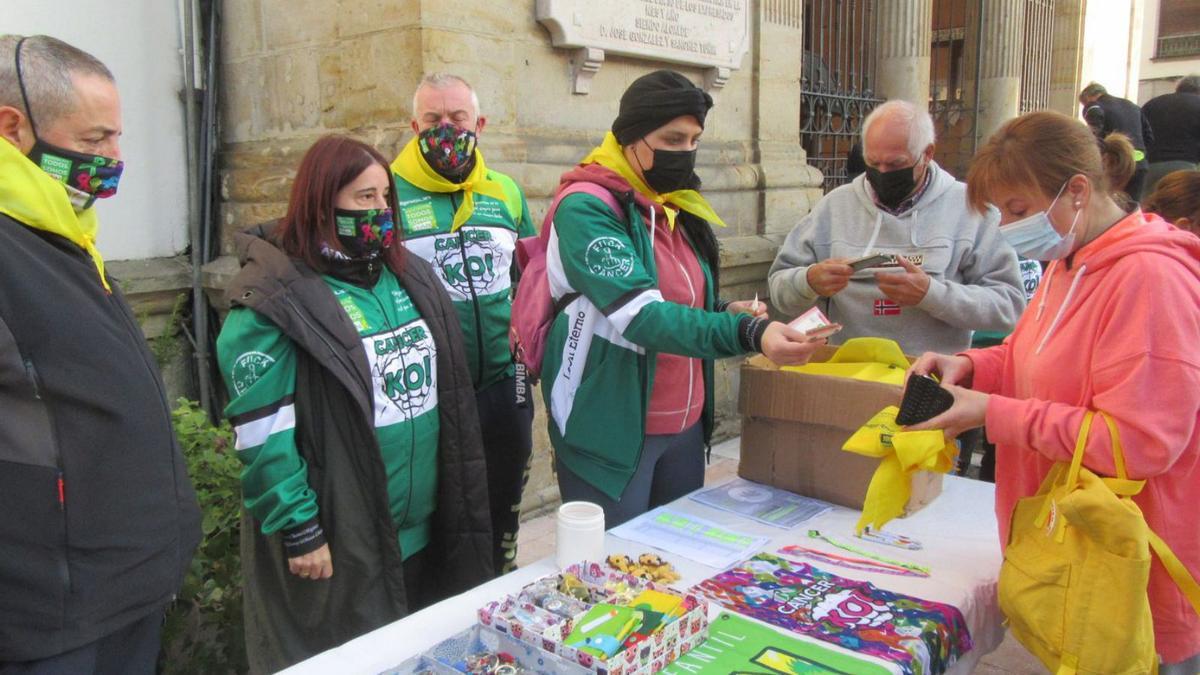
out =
column 744, row 647
column 922, row 637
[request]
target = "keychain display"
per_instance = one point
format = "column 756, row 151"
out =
column 649, row 566
column 487, row 663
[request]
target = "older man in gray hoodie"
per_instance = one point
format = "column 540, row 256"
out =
column 947, row 273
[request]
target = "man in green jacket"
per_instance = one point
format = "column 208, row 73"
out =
column 465, row 219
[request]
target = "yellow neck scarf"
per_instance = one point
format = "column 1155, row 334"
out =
column 31, row 197
column 901, row 454
column 412, row 167
column 610, row 156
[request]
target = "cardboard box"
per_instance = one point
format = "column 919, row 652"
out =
column 794, row 426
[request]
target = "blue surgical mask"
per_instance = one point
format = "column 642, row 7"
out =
column 1034, row 237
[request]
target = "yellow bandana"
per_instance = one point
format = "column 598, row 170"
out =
column 610, row 156
column 901, row 454
column 31, row 197
column 412, row 167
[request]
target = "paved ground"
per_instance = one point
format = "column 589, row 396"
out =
column 536, row 541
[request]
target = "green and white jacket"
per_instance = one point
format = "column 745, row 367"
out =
column 475, row 263
column 259, row 364
column 598, row 368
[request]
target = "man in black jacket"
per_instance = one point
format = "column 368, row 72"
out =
column 98, row 520
column 1176, row 121
column 1105, row 114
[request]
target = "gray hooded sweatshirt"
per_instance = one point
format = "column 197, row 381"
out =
column 975, row 282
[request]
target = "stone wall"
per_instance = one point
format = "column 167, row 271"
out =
column 298, row 69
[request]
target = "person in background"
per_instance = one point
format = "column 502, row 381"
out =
column 1175, row 119
column 464, row 219
column 628, row 366
column 855, row 164
column 1177, row 200
column 355, row 418
column 1106, row 114
column 1112, row 329
column 950, row 273
column 99, row 517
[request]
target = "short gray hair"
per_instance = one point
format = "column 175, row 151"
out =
column 47, row 68
column 440, row 80
column 920, row 124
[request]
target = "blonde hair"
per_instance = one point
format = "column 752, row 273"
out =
column 1176, row 196
column 1041, row 151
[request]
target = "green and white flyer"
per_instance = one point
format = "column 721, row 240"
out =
column 741, row 646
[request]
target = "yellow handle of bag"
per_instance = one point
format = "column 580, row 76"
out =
column 1126, row 488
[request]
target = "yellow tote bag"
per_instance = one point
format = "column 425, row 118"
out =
column 1073, row 582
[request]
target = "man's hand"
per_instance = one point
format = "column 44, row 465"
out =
column 313, row 565
column 907, row 288
column 829, row 276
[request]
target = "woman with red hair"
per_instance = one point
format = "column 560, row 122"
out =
column 1112, row 329
column 355, row 418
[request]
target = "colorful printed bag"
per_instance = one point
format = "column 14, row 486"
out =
column 922, row 637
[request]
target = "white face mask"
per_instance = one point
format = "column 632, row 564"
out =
column 1035, row 238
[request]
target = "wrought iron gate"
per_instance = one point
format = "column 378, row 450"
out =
column 954, row 81
column 837, row 81
column 1035, row 55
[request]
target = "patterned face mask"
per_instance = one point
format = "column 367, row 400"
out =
column 447, row 148
column 364, row 233
column 93, row 175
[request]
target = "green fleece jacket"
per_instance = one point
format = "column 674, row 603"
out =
column 598, row 368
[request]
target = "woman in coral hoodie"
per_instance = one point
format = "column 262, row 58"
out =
column 1114, row 327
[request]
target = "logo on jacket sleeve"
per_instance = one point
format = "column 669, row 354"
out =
column 609, row 257
column 248, row 369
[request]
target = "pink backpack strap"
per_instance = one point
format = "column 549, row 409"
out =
column 598, row 191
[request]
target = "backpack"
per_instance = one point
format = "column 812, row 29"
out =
column 533, row 307
column 1073, row 582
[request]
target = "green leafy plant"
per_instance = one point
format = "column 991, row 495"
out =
column 203, row 632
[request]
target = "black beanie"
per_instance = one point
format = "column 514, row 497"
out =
column 655, row 99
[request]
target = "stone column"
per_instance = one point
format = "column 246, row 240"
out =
column 1000, row 67
column 1066, row 57
column 786, row 179
column 905, row 36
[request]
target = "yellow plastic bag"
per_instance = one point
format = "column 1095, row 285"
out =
column 1073, row 582
column 902, row 453
column 871, row 359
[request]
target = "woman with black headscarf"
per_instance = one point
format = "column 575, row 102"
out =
column 632, row 264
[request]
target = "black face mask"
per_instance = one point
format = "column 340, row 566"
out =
column 672, row 170
column 891, row 187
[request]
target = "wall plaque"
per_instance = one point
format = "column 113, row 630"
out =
column 712, row 33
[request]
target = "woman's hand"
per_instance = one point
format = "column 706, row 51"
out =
column 312, row 565
column 949, row 369
column 968, row 412
column 751, row 307
column 788, row 346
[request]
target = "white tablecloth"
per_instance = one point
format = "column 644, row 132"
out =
column 961, row 548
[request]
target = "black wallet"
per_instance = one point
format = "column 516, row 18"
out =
column 924, row 399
